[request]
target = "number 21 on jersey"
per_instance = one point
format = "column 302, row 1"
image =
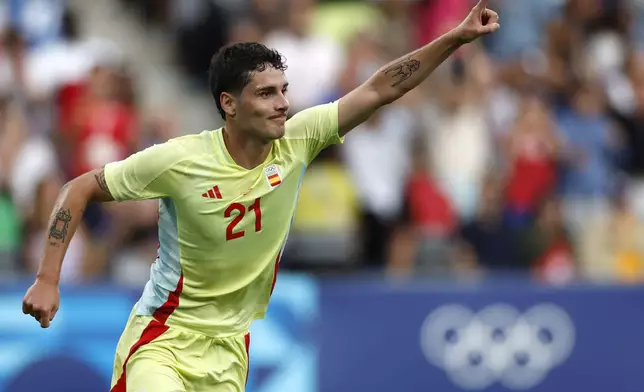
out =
column 238, row 210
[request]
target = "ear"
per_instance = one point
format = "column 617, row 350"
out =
column 228, row 103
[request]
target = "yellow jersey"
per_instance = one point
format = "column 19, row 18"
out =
column 222, row 227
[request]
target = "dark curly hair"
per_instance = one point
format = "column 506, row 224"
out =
column 231, row 66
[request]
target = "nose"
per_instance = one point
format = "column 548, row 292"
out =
column 281, row 104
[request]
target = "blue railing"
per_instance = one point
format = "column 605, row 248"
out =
column 367, row 334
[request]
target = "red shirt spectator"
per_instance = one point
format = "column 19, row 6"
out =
column 428, row 207
column 532, row 151
column 533, row 174
column 436, row 17
column 97, row 127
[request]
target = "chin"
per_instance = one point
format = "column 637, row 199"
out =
column 277, row 132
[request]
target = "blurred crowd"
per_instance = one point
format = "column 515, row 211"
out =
column 68, row 104
column 523, row 153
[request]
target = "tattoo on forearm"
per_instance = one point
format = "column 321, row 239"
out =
column 60, row 226
column 402, row 70
column 100, row 179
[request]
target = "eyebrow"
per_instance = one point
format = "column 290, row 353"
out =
column 270, row 87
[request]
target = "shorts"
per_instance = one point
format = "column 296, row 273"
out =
column 154, row 357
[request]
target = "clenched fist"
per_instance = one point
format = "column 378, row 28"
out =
column 480, row 21
column 41, row 302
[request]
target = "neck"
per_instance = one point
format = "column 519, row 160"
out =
column 247, row 152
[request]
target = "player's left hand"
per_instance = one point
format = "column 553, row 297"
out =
column 480, row 21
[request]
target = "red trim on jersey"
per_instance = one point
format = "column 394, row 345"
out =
column 162, row 313
column 247, row 340
column 154, row 329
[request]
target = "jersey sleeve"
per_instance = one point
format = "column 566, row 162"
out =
column 314, row 129
column 149, row 174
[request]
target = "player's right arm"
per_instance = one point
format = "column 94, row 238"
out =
column 406, row 73
column 148, row 174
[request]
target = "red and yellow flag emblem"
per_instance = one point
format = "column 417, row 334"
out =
column 273, row 175
column 274, row 180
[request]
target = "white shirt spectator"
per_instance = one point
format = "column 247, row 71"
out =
column 314, row 65
column 59, row 63
column 377, row 155
column 460, row 150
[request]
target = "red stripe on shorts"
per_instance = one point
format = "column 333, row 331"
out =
column 155, row 329
column 247, row 340
column 151, row 332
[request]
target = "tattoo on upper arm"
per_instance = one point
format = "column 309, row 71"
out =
column 402, row 70
column 100, row 179
column 60, row 226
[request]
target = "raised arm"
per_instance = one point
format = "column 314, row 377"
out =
column 402, row 75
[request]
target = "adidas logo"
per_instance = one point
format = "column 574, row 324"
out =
column 213, row 193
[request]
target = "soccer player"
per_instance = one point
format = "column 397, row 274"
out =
column 226, row 200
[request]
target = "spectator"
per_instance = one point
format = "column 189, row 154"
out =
column 200, row 27
column 563, row 51
column 612, row 246
column 534, row 103
column 66, row 61
column 245, row 30
column 394, row 28
column 532, row 150
column 100, row 124
column 270, row 15
column 434, row 18
column 487, row 243
column 326, row 219
column 10, row 216
column 460, row 143
column 546, row 247
column 523, row 32
column 592, row 150
column 34, row 183
column 379, row 182
column 314, row 61
column 421, row 242
column 628, row 111
column 101, row 128
column 12, row 64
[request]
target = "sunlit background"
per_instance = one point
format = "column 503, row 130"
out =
column 485, row 232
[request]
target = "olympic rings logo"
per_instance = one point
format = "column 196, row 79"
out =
column 497, row 344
